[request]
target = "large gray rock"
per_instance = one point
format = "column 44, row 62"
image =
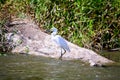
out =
column 35, row 42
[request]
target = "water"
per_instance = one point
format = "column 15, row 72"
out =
column 113, row 55
column 26, row 67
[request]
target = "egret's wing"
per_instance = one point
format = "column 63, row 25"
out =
column 62, row 42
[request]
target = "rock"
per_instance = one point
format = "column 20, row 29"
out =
column 115, row 49
column 92, row 64
column 13, row 39
column 36, row 42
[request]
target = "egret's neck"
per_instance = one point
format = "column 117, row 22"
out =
column 54, row 33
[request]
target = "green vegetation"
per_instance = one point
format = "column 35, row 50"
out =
column 93, row 24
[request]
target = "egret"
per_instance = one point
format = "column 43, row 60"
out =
column 61, row 42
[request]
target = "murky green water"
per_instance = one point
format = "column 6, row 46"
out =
column 113, row 55
column 24, row 67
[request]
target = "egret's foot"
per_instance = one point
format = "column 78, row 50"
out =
column 60, row 57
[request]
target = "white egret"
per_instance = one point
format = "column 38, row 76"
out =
column 61, row 42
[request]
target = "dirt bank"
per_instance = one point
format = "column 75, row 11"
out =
column 26, row 37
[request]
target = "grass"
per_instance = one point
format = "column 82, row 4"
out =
column 93, row 24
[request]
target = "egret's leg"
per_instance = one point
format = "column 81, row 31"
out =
column 62, row 53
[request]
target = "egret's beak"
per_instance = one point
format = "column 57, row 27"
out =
column 48, row 31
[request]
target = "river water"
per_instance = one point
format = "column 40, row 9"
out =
column 26, row 67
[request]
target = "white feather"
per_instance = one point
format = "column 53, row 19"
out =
column 59, row 40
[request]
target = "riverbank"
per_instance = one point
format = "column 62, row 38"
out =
column 25, row 37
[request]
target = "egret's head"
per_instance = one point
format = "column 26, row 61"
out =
column 54, row 29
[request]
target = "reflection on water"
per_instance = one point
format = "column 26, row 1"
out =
column 24, row 67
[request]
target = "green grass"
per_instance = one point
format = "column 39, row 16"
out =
column 92, row 24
